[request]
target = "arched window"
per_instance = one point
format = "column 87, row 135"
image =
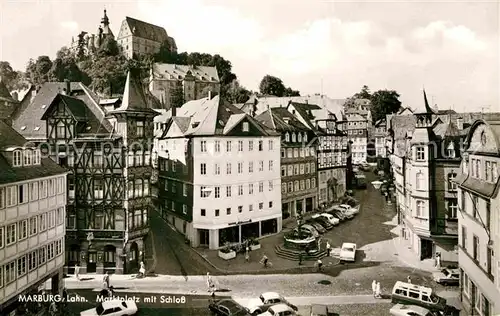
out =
column 287, row 137
column 305, row 137
column 299, row 137
column 28, row 157
column 293, row 137
column 17, row 161
column 131, row 189
column 146, row 187
column 420, row 181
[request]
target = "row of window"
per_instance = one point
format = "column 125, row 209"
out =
column 32, row 191
column 484, row 170
column 136, row 188
column 240, row 167
column 327, row 159
column 134, row 159
column 173, row 187
column 296, row 137
column 240, row 146
column 206, row 191
column 480, row 218
column 476, row 250
column 296, row 169
column 478, row 301
column 203, row 212
column 173, row 206
column 137, row 218
column 11, row 233
column 166, row 165
column 356, row 132
column 298, row 185
column 359, row 147
column 298, row 152
column 19, row 267
column 26, row 157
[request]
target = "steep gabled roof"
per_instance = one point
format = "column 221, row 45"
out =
column 134, row 99
column 27, row 119
column 214, row 116
column 8, row 174
column 147, row 30
column 280, row 119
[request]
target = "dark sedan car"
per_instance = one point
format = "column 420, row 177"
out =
column 228, row 307
column 318, row 226
column 323, row 222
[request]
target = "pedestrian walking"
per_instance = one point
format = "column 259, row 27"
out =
column 105, row 280
column 300, row 258
column 210, row 283
column 53, row 308
column 247, row 254
column 142, row 270
column 77, row 272
column 328, row 249
column 438, row 261
column 378, row 293
column 408, row 279
column 319, row 263
column 264, row 260
column 374, row 288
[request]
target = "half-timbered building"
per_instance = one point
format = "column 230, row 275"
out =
column 108, row 151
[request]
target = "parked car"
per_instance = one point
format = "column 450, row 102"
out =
column 311, row 229
column 409, row 310
column 353, row 210
column 280, row 310
column 322, row 221
column 304, row 234
column 265, row 301
column 447, row 276
column 317, row 226
column 338, row 214
column 112, row 307
column 307, row 231
column 332, row 219
column 347, row 214
column 319, row 310
column 348, row 252
column 228, row 307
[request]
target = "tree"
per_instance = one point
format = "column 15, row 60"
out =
column 38, row 70
column 65, row 67
column 108, row 47
column 107, row 73
column 236, row 93
column 384, row 102
column 81, row 48
column 177, row 96
column 272, row 85
column 9, row 76
column 289, row 92
column 364, row 93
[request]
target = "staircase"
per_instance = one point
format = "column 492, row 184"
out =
column 292, row 254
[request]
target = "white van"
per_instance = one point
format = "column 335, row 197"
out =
column 412, row 294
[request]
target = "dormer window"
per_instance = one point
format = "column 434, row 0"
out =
column 450, row 151
column 246, row 128
column 293, row 138
column 139, row 129
column 287, row 137
column 17, row 161
column 26, row 157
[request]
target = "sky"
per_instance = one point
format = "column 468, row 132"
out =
column 450, row 48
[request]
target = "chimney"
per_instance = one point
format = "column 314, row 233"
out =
column 209, row 94
column 174, row 111
column 460, row 123
column 68, row 86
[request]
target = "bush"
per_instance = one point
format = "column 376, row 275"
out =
column 253, row 242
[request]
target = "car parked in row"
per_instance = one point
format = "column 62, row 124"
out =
column 267, row 300
column 280, row 310
column 410, row 310
column 352, row 209
column 322, row 221
column 317, row 226
column 228, row 307
column 308, row 229
column 447, row 277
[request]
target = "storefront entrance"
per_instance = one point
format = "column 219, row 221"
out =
column 269, row 227
column 91, row 262
column 204, row 237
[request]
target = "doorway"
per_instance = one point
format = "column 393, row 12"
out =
column 92, row 262
column 426, row 249
column 204, row 237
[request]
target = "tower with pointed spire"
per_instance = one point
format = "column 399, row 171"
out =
column 92, row 41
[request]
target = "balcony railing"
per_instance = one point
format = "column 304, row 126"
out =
column 98, row 234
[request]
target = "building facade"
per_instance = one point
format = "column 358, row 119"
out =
column 331, row 154
column 379, row 138
column 108, row 150
column 192, row 82
column 298, row 161
column 137, row 38
column 356, row 127
column 32, row 220
column 479, row 222
column 219, row 174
